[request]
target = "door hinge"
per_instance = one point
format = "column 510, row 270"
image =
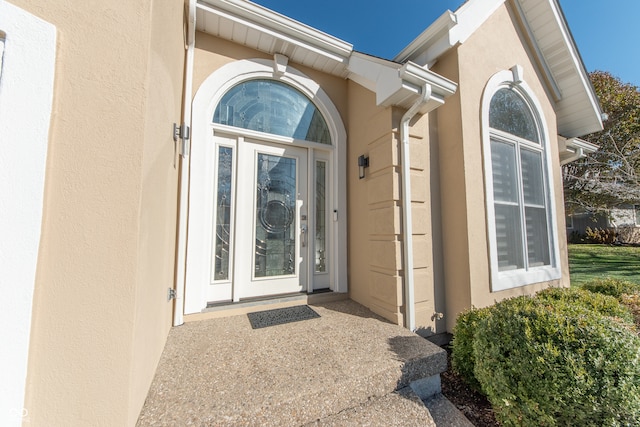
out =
column 171, row 294
column 183, row 133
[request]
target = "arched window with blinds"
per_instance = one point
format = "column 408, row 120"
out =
column 521, row 238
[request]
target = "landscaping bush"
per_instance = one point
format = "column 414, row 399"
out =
column 462, row 358
column 600, row 303
column 600, row 235
column 550, row 361
column 612, row 287
column 632, row 301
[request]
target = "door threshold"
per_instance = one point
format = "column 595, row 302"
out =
column 228, row 308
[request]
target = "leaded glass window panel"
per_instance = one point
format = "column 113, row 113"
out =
column 272, row 107
column 321, row 217
column 509, row 113
column 223, row 213
column 275, row 230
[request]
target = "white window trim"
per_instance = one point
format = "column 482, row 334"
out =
column 26, row 95
column 636, row 214
column 569, row 219
column 502, row 280
column 206, row 99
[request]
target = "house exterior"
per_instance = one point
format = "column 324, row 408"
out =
column 624, row 219
column 420, row 186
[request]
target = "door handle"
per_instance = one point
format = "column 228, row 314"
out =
column 303, row 232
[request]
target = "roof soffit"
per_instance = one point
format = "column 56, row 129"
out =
column 262, row 29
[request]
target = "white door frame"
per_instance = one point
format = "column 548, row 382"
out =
column 201, row 175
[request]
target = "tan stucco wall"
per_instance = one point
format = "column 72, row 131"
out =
column 498, row 45
column 428, row 280
column 374, row 211
column 100, row 314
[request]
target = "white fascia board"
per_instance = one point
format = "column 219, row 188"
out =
column 398, row 84
column 572, row 149
column 585, row 146
column 450, row 29
column 279, row 26
column 436, row 38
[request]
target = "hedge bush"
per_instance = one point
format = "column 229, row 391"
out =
column 564, row 357
column 611, row 286
column 462, row 358
column 600, row 303
column 557, row 364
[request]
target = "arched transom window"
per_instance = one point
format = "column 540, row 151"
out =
column 273, row 107
column 521, row 239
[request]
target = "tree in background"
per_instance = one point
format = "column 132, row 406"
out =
column 610, row 176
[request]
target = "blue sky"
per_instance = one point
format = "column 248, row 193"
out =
column 607, row 32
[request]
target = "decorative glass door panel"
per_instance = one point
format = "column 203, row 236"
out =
column 271, row 220
column 275, row 226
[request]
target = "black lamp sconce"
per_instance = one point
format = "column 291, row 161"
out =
column 363, row 162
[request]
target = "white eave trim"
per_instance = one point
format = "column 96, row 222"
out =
column 573, row 149
column 288, row 30
column 432, row 42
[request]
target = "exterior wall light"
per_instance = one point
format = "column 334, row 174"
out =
column 363, row 162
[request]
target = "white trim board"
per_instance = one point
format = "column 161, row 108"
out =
column 26, row 94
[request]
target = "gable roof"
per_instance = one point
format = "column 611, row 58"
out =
column 257, row 27
column 399, row 82
column 577, row 108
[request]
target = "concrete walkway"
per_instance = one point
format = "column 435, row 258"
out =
column 347, row 367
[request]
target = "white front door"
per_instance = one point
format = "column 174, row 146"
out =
column 260, row 225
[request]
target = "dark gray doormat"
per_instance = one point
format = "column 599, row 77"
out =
column 279, row 316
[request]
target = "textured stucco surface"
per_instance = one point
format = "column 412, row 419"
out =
column 101, row 315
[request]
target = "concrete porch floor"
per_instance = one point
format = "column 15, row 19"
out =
column 347, row 367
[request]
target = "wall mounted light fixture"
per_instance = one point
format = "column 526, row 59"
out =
column 363, row 162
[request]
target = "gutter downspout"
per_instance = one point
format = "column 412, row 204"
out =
column 178, row 310
column 407, row 221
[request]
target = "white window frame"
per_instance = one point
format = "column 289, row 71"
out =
column 636, row 214
column 502, row 280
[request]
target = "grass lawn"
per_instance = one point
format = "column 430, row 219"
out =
column 588, row 262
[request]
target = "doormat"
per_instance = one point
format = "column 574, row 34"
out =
column 279, row 316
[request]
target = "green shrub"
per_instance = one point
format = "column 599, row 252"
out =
column 462, row 359
column 612, row 287
column 598, row 302
column 546, row 361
